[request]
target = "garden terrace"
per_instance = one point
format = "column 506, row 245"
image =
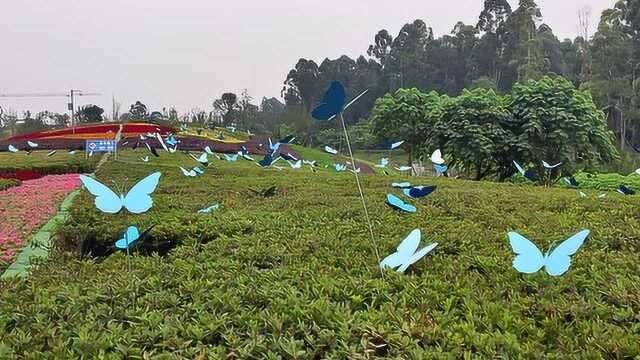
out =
column 295, row 275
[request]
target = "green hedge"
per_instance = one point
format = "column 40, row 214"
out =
column 53, row 169
column 610, row 182
column 7, row 183
column 295, row 276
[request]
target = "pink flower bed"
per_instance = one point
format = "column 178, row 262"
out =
column 23, row 209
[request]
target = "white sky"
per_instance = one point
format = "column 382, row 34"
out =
column 187, row 53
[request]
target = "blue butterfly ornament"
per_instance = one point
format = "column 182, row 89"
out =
column 136, row 201
column 332, row 103
column 397, row 203
column 407, row 253
column 530, row 259
column 419, row 191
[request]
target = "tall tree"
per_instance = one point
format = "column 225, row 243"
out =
column 523, row 48
column 407, row 114
column 301, row 87
column 474, row 130
column 614, row 70
column 227, row 106
column 139, row 111
column 90, row 114
column 492, row 22
column 556, row 122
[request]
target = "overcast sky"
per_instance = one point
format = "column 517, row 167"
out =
column 186, row 53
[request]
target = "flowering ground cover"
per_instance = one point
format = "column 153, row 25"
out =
column 24, row 208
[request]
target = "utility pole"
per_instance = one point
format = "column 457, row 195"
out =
column 70, row 106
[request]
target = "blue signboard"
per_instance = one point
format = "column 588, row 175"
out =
column 101, row 146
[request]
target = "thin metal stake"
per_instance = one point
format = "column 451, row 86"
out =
column 364, row 203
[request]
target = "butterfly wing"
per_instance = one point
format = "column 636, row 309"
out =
column 209, row 209
column 161, row 142
column 106, row 200
column 131, row 236
column 396, row 144
column 407, row 193
column 397, row 203
column 405, row 250
column 203, row 159
column 330, row 150
column 152, row 150
column 421, row 191
column 417, row 256
column 287, row 140
column 559, row 261
column 197, row 170
column 440, row 169
column 332, row 103
column 529, row 259
column 436, row 157
column 138, row 200
column 520, row 168
column 266, row 161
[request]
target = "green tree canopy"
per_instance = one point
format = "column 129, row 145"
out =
column 474, row 131
column 90, row 113
column 556, row 122
column 408, row 115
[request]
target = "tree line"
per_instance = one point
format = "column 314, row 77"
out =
column 482, row 132
column 504, row 47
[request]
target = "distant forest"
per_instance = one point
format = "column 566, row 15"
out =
column 503, row 47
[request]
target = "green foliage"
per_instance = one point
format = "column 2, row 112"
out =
column 474, row 131
column 61, row 163
column 90, row 114
column 608, row 182
column 556, row 122
column 7, row 183
column 408, row 115
column 294, row 275
column 360, row 136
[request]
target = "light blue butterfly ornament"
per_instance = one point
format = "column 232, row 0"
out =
column 129, row 239
column 209, row 209
column 231, row 158
column 136, row 201
column 406, row 253
column 530, row 259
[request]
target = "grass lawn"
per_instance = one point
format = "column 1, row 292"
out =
column 294, row 276
column 39, row 158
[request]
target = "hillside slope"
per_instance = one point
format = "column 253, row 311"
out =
column 295, row 275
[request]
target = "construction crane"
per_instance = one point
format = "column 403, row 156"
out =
column 70, row 105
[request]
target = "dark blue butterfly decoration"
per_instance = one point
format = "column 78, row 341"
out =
column 266, row 161
column 332, row 104
column 571, row 181
column 528, row 174
column 419, row 191
column 625, row 190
